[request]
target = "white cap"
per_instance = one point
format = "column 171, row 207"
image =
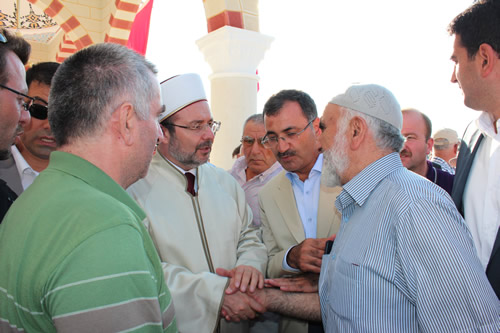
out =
column 181, row 91
column 373, row 100
column 445, row 137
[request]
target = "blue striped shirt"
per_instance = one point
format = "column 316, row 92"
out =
column 403, row 260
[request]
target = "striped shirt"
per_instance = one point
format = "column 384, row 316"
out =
column 403, row 260
column 75, row 257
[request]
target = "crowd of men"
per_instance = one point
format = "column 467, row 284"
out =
column 114, row 219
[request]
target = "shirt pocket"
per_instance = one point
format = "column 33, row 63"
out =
column 345, row 289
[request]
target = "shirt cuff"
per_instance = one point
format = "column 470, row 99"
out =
column 285, row 266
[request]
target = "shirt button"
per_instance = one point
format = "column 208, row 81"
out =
column 307, row 192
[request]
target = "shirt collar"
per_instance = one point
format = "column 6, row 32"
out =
column 360, row 187
column 21, row 163
column 92, row 175
column 485, row 125
column 316, row 169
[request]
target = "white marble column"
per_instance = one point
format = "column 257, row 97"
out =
column 233, row 54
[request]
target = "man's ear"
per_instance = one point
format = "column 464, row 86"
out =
column 488, row 58
column 165, row 138
column 430, row 144
column 125, row 122
column 357, row 131
column 316, row 128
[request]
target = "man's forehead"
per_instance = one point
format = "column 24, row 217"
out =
column 15, row 70
column 254, row 129
column 198, row 111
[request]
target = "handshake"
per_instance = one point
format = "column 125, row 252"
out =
column 248, row 294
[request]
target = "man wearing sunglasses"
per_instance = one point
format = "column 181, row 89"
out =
column 14, row 53
column 31, row 153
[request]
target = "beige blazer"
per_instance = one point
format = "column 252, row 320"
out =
column 281, row 223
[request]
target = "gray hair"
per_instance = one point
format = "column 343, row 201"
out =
column 257, row 118
column 386, row 135
column 91, row 83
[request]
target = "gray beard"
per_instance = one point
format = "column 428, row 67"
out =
column 335, row 161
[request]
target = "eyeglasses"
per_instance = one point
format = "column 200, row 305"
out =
column 272, row 141
column 26, row 105
column 214, row 126
column 3, row 39
column 248, row 141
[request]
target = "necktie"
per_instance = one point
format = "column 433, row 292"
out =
column 190, row 183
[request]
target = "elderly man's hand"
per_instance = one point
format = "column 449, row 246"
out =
column 240, row 306
column 242, row 278
column 304, row 283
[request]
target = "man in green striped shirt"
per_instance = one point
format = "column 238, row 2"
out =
column 74, row 254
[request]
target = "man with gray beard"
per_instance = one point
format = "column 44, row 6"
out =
column 199, row 219
column 403, row 260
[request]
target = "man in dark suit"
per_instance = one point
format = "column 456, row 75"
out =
column 14, row 53
column 476, row 190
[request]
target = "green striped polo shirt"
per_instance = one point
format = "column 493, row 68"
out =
column 75, row 257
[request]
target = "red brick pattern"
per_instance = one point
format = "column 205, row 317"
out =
column 227, row 17
column 120, row 41
column 82, row 42
column 119, row 23
column 126, row 6
column 54, row 8
column 70, row 24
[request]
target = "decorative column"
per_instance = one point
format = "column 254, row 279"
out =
column 233, row 54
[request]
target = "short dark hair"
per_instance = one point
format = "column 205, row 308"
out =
column 478, row 24
column 15, row 44
column 41, row 72
column 276, row 102
column 91, row 83
column 427, row 122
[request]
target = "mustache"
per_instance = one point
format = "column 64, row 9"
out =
column 405, row 153
column 205, row 144
column 286, row 153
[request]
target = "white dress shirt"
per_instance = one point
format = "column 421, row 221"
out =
column 307, row 200
column 26, row 173
column 482, row 191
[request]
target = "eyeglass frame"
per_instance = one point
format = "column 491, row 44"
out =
column 214, row 127
column 253, row 140
column 290, row 136
column 25, row 105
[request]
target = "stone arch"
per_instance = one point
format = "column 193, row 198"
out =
column 76, row 36
column 120, row 21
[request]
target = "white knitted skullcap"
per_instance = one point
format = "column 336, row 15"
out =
column 180, row 91
column 373, row 100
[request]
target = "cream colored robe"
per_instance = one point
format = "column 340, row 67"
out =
column 196, row 235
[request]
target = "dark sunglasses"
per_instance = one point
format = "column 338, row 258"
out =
column 38, row 111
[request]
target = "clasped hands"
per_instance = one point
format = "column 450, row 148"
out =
column 240, row 302
column 245, row 297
